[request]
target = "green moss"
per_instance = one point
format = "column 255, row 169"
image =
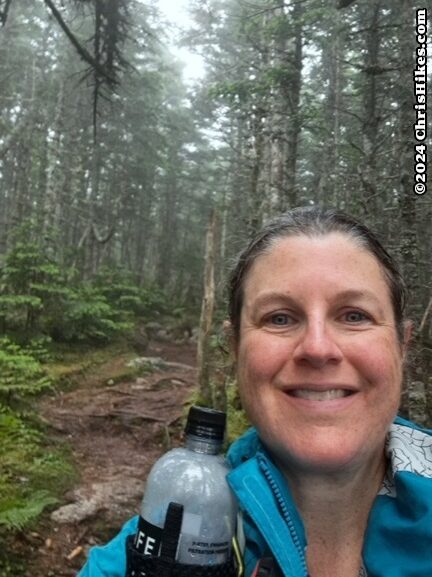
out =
column 238, row 422
column 10, row 565
column 34, row 473
column 80, row 360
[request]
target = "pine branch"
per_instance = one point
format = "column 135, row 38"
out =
column 4, row 12
column 85, row 55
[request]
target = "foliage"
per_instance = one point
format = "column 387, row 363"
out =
column 88, row 316
column 38, row 298
column 122, row 292
column 238, row 422
column 32, row 474
column 31, row 284
column 11, row 564
column 21, row 373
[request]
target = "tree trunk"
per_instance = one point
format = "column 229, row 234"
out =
column 368, row 169
column 291, row 89
column 328, row 178
column 52, row 209
column 203, row 349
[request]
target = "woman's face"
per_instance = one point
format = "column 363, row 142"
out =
column 319, row 361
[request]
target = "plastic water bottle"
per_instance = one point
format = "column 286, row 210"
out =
column 193, row 477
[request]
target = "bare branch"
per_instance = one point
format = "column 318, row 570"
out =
column 102, row 239
column 425, row 316
column 85, row 55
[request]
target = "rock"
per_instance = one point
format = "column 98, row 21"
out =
column 76, row 512
column 194, row 335
column 146, row 362
column 140, row 384
column 156, row 363
column 152, row 328
column 112, row 494
column 162, row 336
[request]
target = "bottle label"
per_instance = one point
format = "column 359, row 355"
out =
column 202, row 552
column 148, row 538
column 209, row 548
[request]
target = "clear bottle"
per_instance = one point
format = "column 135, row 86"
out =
column 195, row 477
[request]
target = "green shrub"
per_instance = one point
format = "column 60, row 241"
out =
column 90, row 317
column 121, row 292
column 40, row 297
column 119, row 289
column 21, row 374
column 31, row 285
column 154, row 302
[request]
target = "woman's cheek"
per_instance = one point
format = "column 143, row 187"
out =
column 260, row 358
column 377, row 359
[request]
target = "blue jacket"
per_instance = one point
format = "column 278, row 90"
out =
column 398, row 540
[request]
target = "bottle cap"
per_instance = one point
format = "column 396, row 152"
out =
column 206, row 423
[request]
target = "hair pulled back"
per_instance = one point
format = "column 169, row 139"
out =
column 314, row 222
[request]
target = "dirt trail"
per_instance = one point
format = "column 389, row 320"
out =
column 116, row 431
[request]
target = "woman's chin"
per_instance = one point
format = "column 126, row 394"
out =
column 321, row 455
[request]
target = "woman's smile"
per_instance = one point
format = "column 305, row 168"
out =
column 325, row 395
column 321, row 400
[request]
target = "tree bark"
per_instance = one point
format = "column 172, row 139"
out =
column 206, row 320
column 368, row 169
column 291, row 89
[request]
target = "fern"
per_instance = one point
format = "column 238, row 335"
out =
column 18, row 513
column 32, row 475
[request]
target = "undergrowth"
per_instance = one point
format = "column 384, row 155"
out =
column 33, row 474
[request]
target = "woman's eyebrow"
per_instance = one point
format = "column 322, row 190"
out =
column 362, row 294
column 274, row 297
column 271, row 297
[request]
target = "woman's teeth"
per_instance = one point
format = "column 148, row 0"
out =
column 313, row 395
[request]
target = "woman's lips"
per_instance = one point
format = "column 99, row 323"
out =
column 320, row 395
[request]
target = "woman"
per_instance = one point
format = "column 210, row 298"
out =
column 327, row 484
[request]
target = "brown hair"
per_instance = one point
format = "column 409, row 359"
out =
column 313, row 222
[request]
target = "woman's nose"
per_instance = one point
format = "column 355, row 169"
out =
column 317, row 346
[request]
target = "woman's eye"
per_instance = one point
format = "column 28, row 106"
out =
column 280, row 319
column 356, row 317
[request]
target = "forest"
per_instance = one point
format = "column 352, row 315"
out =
column 114, row 170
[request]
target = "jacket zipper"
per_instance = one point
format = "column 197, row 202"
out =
column 285, row 513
